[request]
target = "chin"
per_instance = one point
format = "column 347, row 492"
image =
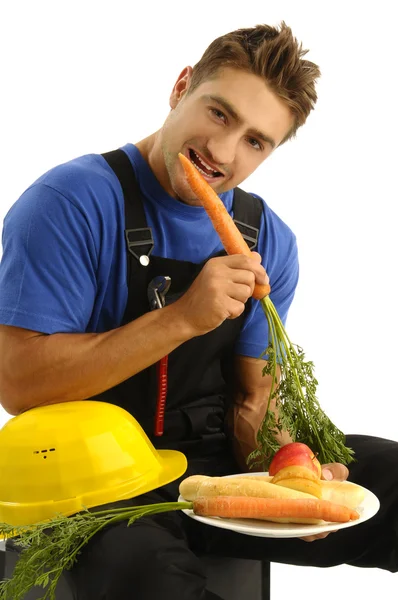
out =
column 182, row 192
column 186, row 197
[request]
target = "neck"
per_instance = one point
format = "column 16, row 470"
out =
column 151, row 151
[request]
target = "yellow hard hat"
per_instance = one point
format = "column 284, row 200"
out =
column 62, row 458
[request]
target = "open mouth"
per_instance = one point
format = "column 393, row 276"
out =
column 202, row 166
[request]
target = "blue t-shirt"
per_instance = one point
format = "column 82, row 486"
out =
column 63, row 267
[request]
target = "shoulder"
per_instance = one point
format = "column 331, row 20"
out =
column 84, row 181
column 83, row 190
column 63, row 248
column 270, row 219
column 274, row 224
column 276, row 242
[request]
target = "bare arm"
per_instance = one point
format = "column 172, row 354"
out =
column 250, row 404
column 37, row 369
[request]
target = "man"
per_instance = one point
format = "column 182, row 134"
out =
column 83, row 248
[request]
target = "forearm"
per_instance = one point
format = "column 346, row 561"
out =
column 248, row 413
column 65, row 367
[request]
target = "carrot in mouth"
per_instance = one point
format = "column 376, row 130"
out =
column 230, row 236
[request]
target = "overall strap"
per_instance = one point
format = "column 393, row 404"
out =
column 247, row 211
column 138, row 235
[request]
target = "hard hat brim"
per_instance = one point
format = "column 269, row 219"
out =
column 173, row 464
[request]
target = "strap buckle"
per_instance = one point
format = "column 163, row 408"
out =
column 140, row 243
column 249, row 233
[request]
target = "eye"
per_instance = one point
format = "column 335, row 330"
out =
column 254, row 144
column 218, row 114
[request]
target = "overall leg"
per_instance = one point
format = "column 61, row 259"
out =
column 150, row 559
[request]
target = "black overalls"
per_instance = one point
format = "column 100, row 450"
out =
column 157, row 557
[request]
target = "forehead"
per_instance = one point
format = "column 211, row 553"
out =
column 256, row 105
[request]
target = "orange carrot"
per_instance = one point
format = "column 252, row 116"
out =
column 244, row 507
column 231, row 237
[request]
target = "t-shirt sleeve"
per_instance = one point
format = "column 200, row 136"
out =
column 49, row 264
column 278, row 247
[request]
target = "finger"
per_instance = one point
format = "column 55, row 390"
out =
column 257, row 256
column 319, row 536
column 335, row 471
column 242, row 276
column 242, row 262
column 241, row 292
column 247, row 276
column 235, row 308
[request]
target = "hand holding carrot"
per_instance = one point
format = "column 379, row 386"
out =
column 220, row 291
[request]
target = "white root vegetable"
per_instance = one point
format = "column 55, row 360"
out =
column 345, row 493
column 196, row 486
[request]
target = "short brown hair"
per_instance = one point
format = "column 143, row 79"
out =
column 272, row 53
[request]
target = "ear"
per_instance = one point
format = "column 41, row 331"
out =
column 181, row 86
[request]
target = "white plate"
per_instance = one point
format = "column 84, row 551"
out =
column 367, row 509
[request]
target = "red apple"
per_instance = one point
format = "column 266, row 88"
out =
column 295, row 453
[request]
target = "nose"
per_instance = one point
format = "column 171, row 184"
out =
column 223, row 149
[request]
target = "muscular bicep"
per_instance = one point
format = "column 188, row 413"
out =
column 250, row 380
column 14, row 350
column 251, row 401
column 10, row 335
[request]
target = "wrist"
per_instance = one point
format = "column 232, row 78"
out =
column 176, row 324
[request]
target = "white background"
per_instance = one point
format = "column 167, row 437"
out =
column 79, row 77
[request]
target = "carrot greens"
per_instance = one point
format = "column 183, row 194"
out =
column 298, row 409
column 50, row 547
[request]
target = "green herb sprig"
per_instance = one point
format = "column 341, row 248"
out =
column 299, row 411
column 53, row 546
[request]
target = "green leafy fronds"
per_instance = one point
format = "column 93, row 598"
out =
column 53, row 546
column 299, row 411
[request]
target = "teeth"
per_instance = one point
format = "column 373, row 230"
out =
column 199, row 169
column 204, row 164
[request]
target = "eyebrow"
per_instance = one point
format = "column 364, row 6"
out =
column 236, row 116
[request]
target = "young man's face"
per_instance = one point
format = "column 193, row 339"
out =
column 227, row 126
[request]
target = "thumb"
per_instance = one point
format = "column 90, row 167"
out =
column 335, row 471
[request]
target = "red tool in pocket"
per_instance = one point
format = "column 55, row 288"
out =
column 157, row 290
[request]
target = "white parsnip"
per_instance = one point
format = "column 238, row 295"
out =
column 345, row 493
column 197, row 486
